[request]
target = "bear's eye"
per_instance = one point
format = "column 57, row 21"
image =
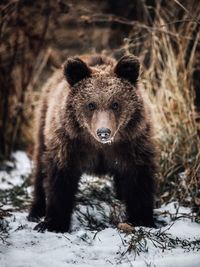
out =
column 91, row 106
column 115, row 105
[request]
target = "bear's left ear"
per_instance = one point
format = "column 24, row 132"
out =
column 128, row 67
column 76, row 70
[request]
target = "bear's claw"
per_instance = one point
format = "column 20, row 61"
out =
column 51, row 227
column 41, row 227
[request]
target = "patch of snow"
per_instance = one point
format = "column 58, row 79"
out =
column 21, row 170
column 174, row 207
column 88, row 248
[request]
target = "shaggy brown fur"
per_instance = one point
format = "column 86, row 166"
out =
column 93, row 119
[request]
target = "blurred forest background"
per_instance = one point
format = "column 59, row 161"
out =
column 36, row 36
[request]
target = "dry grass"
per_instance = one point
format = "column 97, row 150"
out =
column 21, row 48
column 171, row 50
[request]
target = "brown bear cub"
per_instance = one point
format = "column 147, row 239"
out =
column 93, row 119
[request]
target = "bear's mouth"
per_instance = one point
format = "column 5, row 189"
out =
column 106, row 141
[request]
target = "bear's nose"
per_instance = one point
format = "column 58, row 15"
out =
column 103, row 133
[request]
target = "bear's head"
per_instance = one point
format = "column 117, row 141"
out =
column 105, row 97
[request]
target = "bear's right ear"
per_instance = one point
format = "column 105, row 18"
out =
column 76, row 70
column 128, row 68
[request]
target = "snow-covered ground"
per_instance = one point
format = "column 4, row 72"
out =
column 175, row 244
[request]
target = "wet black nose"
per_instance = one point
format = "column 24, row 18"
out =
column 103, row 133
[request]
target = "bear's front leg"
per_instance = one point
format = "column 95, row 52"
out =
column 138, row 193
column 61, row 192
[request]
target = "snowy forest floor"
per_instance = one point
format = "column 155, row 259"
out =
column 95, row 239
